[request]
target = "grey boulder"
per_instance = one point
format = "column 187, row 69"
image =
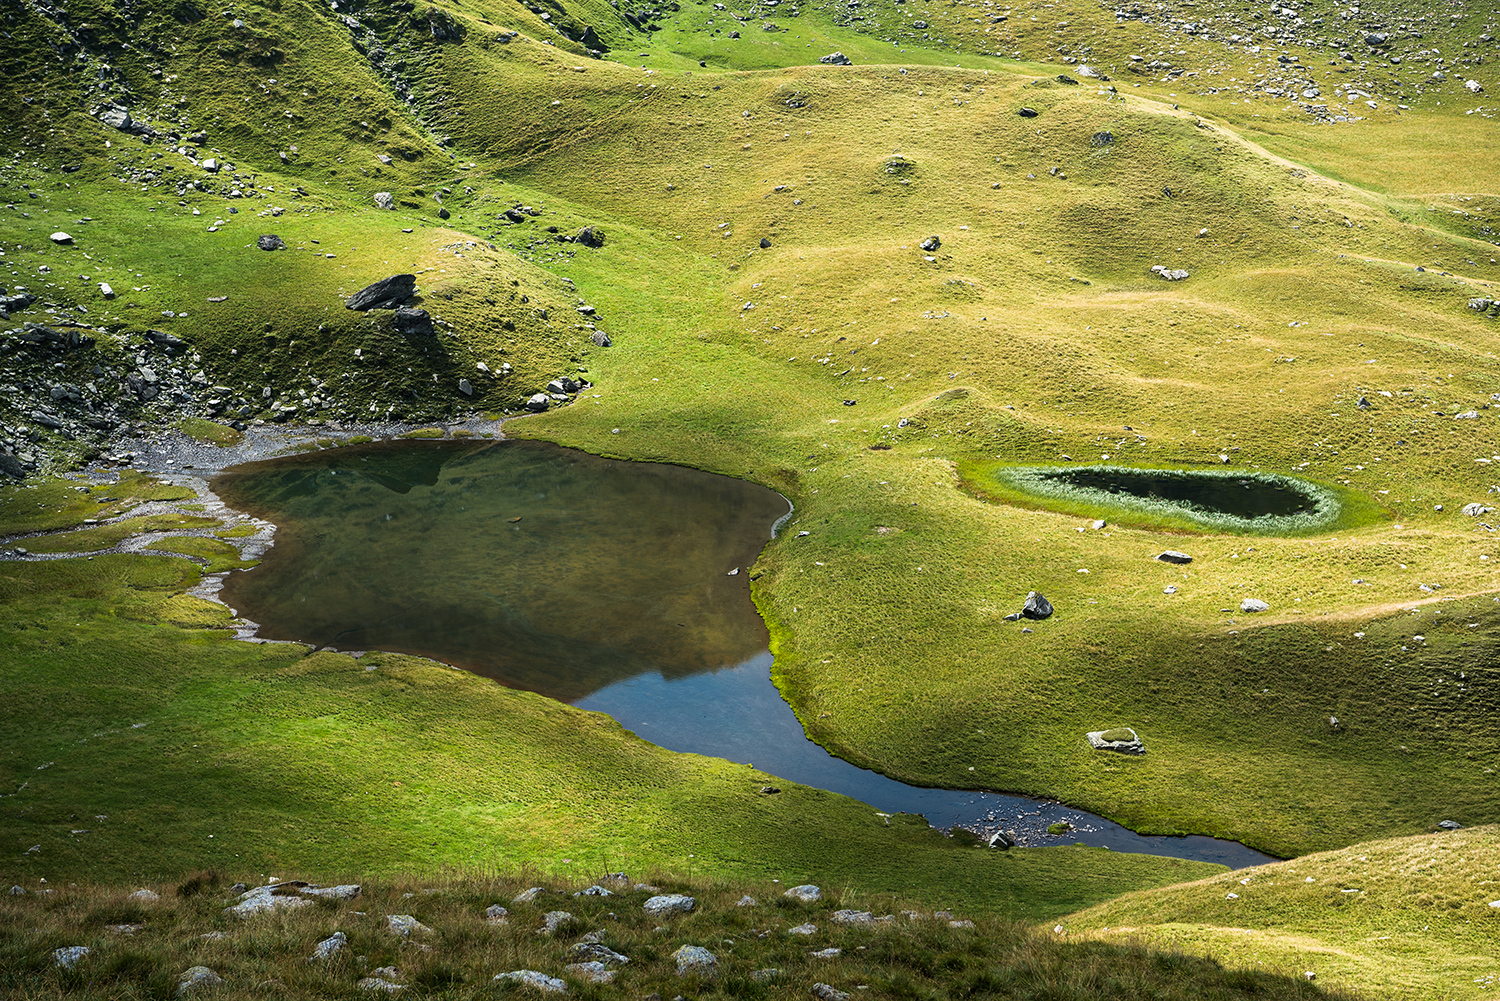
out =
column 669, row 903
column 1173, row 556
column 1036, row 607
column 388, row 293
column 270, row 241
column 411, row 320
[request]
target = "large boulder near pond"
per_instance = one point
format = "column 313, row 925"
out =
column 388, row 293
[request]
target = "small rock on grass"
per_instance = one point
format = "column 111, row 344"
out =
column 527, row 896
column 766, row 975
column 829, row 993
column 585, row 952
column 830, row 953
column 61, row 238
column 496, row 915
column 1173, row 556
column 542, row 982
column 1036, row 607
column 69, row 955
column 553, row 920
column 1253, row 605
column 848, row 917
column 330, row 945
column 270, row 241
column 695, row 959
column 593, row 972
column 404, row 925
column 197, row 976
column 379, row 984
column 670, row 903
column 745, row 901
column 144, row 896
column 806, row 893
column 807, row 929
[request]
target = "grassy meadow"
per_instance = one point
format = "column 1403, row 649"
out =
column 774, row 317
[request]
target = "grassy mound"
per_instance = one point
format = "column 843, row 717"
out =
column 1398, row 918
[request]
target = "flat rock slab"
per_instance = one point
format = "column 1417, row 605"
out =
column 1131, row 745
column 290, row 894
column 1173, row 556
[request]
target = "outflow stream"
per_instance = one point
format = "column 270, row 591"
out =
column 737, row 713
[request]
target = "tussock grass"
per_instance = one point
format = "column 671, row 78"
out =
column 917, row 954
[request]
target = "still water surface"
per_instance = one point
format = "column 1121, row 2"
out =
column 620, row 587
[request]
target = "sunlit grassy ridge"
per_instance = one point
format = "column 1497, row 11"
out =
column 1035, row 331
column 1414, row 914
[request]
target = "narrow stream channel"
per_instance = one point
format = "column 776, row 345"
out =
column 619, row 587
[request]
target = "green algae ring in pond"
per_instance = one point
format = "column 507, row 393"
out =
column 1215, row 500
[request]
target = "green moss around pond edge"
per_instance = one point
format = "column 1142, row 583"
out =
column 1338, row 508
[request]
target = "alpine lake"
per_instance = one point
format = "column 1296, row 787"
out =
column 619, row 587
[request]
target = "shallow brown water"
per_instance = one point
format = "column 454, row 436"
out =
column 542, row 567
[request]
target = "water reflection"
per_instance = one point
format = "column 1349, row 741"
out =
column 541, row 567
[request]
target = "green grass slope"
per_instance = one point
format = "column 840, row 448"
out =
column 1414, row 915
column 774, row 317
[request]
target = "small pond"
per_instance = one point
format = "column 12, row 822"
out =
column 620, row 587
column 1234, row 500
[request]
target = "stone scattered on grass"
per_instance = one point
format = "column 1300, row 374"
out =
column 270, row 241
column 961, row 923
column 1253, row 605
column 1121, row 738
column 848, row 917
column 379, row 984
column 197, row 976
column 806, row 893
column 527, row 896
column 1036, row 607
column 594, row 891
column 670, row 903
column 404, row 925
column 1474, row 509
column 542, row 982
column 61, row 238
column 593, row 972
column 1450, row 825
column 829, row 993
column 384, row 201
column 807, row 929
column 330, row 945
column 1169, row 274
column 69, row 955
column 745, row 901
column 836, row 59
column 144, row 896
column 931, row 244
column 1173, row 556
column 772, row 972
column 552, row 920
column 496, row 915
column 830, row 953
column 695, row 959
column 585, row 952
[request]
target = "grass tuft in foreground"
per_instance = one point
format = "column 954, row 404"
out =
column 865, row 946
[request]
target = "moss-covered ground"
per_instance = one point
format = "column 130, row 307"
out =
column 774, row 317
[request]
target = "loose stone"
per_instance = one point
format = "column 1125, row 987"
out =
column 806, row 893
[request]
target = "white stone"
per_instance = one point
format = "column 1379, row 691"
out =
column 807, row 929
column 197, row 976
column 144, row 896
column 540, row 981
column 68, row 956
column 695, row 959
column 593, row 971
column 806, row 893
column 330, row 945
column 668, row 904
column 404, row 925
column 1253, row 605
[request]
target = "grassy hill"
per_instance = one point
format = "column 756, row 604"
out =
column 773, row 316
